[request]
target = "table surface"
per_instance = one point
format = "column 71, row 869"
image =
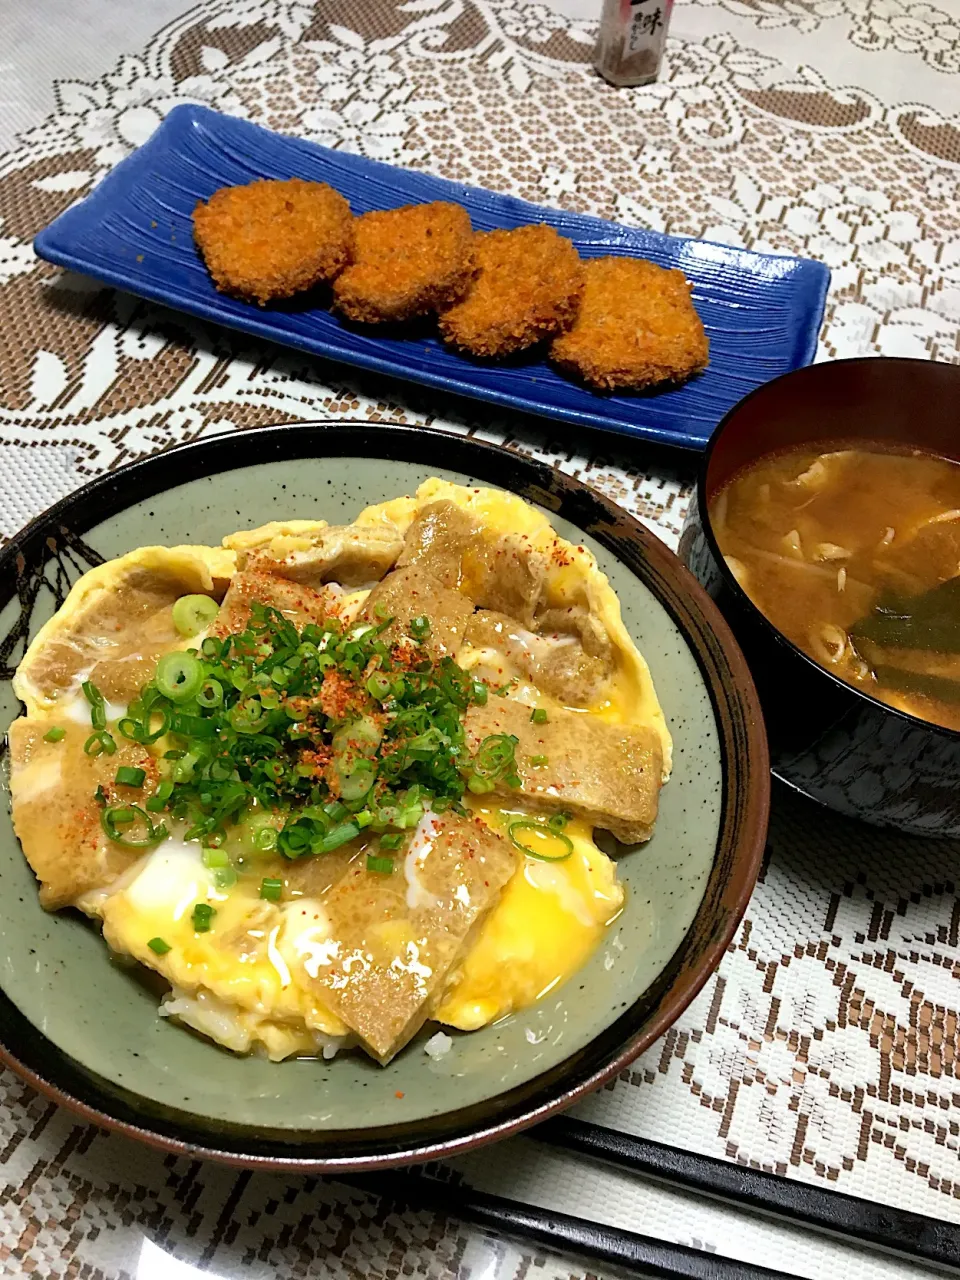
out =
column 826, row 1046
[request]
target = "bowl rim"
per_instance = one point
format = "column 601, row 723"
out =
column 753, row 611
column 743, row 817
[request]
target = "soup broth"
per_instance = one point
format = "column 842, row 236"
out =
column 854, row 555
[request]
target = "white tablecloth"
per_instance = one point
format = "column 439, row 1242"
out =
column 826, row 1047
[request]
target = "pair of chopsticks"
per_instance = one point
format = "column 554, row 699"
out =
column 556, row 1233
column 909, row 1236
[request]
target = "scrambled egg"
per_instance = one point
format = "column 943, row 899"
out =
column 242, row 983
column 546, row 925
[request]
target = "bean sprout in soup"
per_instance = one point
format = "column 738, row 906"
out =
column 855, row 556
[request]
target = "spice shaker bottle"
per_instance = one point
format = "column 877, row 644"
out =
column 631, row 41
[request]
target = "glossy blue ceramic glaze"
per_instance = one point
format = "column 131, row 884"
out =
column 762, row 312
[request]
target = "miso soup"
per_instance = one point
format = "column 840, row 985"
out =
column 854, row 555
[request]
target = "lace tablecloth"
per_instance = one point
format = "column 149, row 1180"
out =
column 826, row 1046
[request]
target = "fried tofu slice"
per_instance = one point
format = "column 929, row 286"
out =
column 410, row 593
column 270, row 239
column 609, row 774
column 636, row 327
column 395, row 939
column 571, row 664
column 297, row 602
column 314, row 552
column 446, row 542
column 55, row 814
column 527, row 288
column 502, row 572
column 351, row 555
column 115, row 623
column 408, row 262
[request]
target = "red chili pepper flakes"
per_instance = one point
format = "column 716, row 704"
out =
column 399, row 1094
column 318, row 757
column 338, row 694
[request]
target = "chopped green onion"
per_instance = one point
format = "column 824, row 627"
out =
column 271, row 890
column 480, row 786
column 542, row 834
column 420, row 627
column 55, row 734
column 539, row 761
column 294, row 841
column 179, row 676
column 391, row 841
column 358, row 781
column 92, row 693
column 203, row 914
column 158, row 946
column 122, row 815
column 136, row 731
column 98, row 710
column 382, row 865
column 495, row 754
column 193, row 614
column 192, row 726
column 558, row 821
column 338, row 836
column 539, row 715
column 158, row 801
column 130, row 729
column 210, row 694
column 224, row 877
column 184, row 767
column 100, row 796
column 130, row 777
column 379, row 686
column 257, row 760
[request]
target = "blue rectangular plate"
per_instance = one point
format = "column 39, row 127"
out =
column 761, row 312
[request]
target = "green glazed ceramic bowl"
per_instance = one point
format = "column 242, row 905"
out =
column 86, row 1031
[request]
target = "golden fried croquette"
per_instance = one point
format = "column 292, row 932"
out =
column 408, row 262
column 636, row 327
column 272, row 239
column 527, row 288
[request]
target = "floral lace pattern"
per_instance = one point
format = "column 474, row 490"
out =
column 826, row 1046
column 902, row 26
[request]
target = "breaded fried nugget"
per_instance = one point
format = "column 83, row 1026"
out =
column 527, row 288
column 273, row 239
column 636, row 327
column 408, row 262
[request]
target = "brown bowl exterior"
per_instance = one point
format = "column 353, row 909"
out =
column 827, row 739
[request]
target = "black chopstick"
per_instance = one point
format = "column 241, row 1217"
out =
column 909, row 1236
column 557, row 1232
